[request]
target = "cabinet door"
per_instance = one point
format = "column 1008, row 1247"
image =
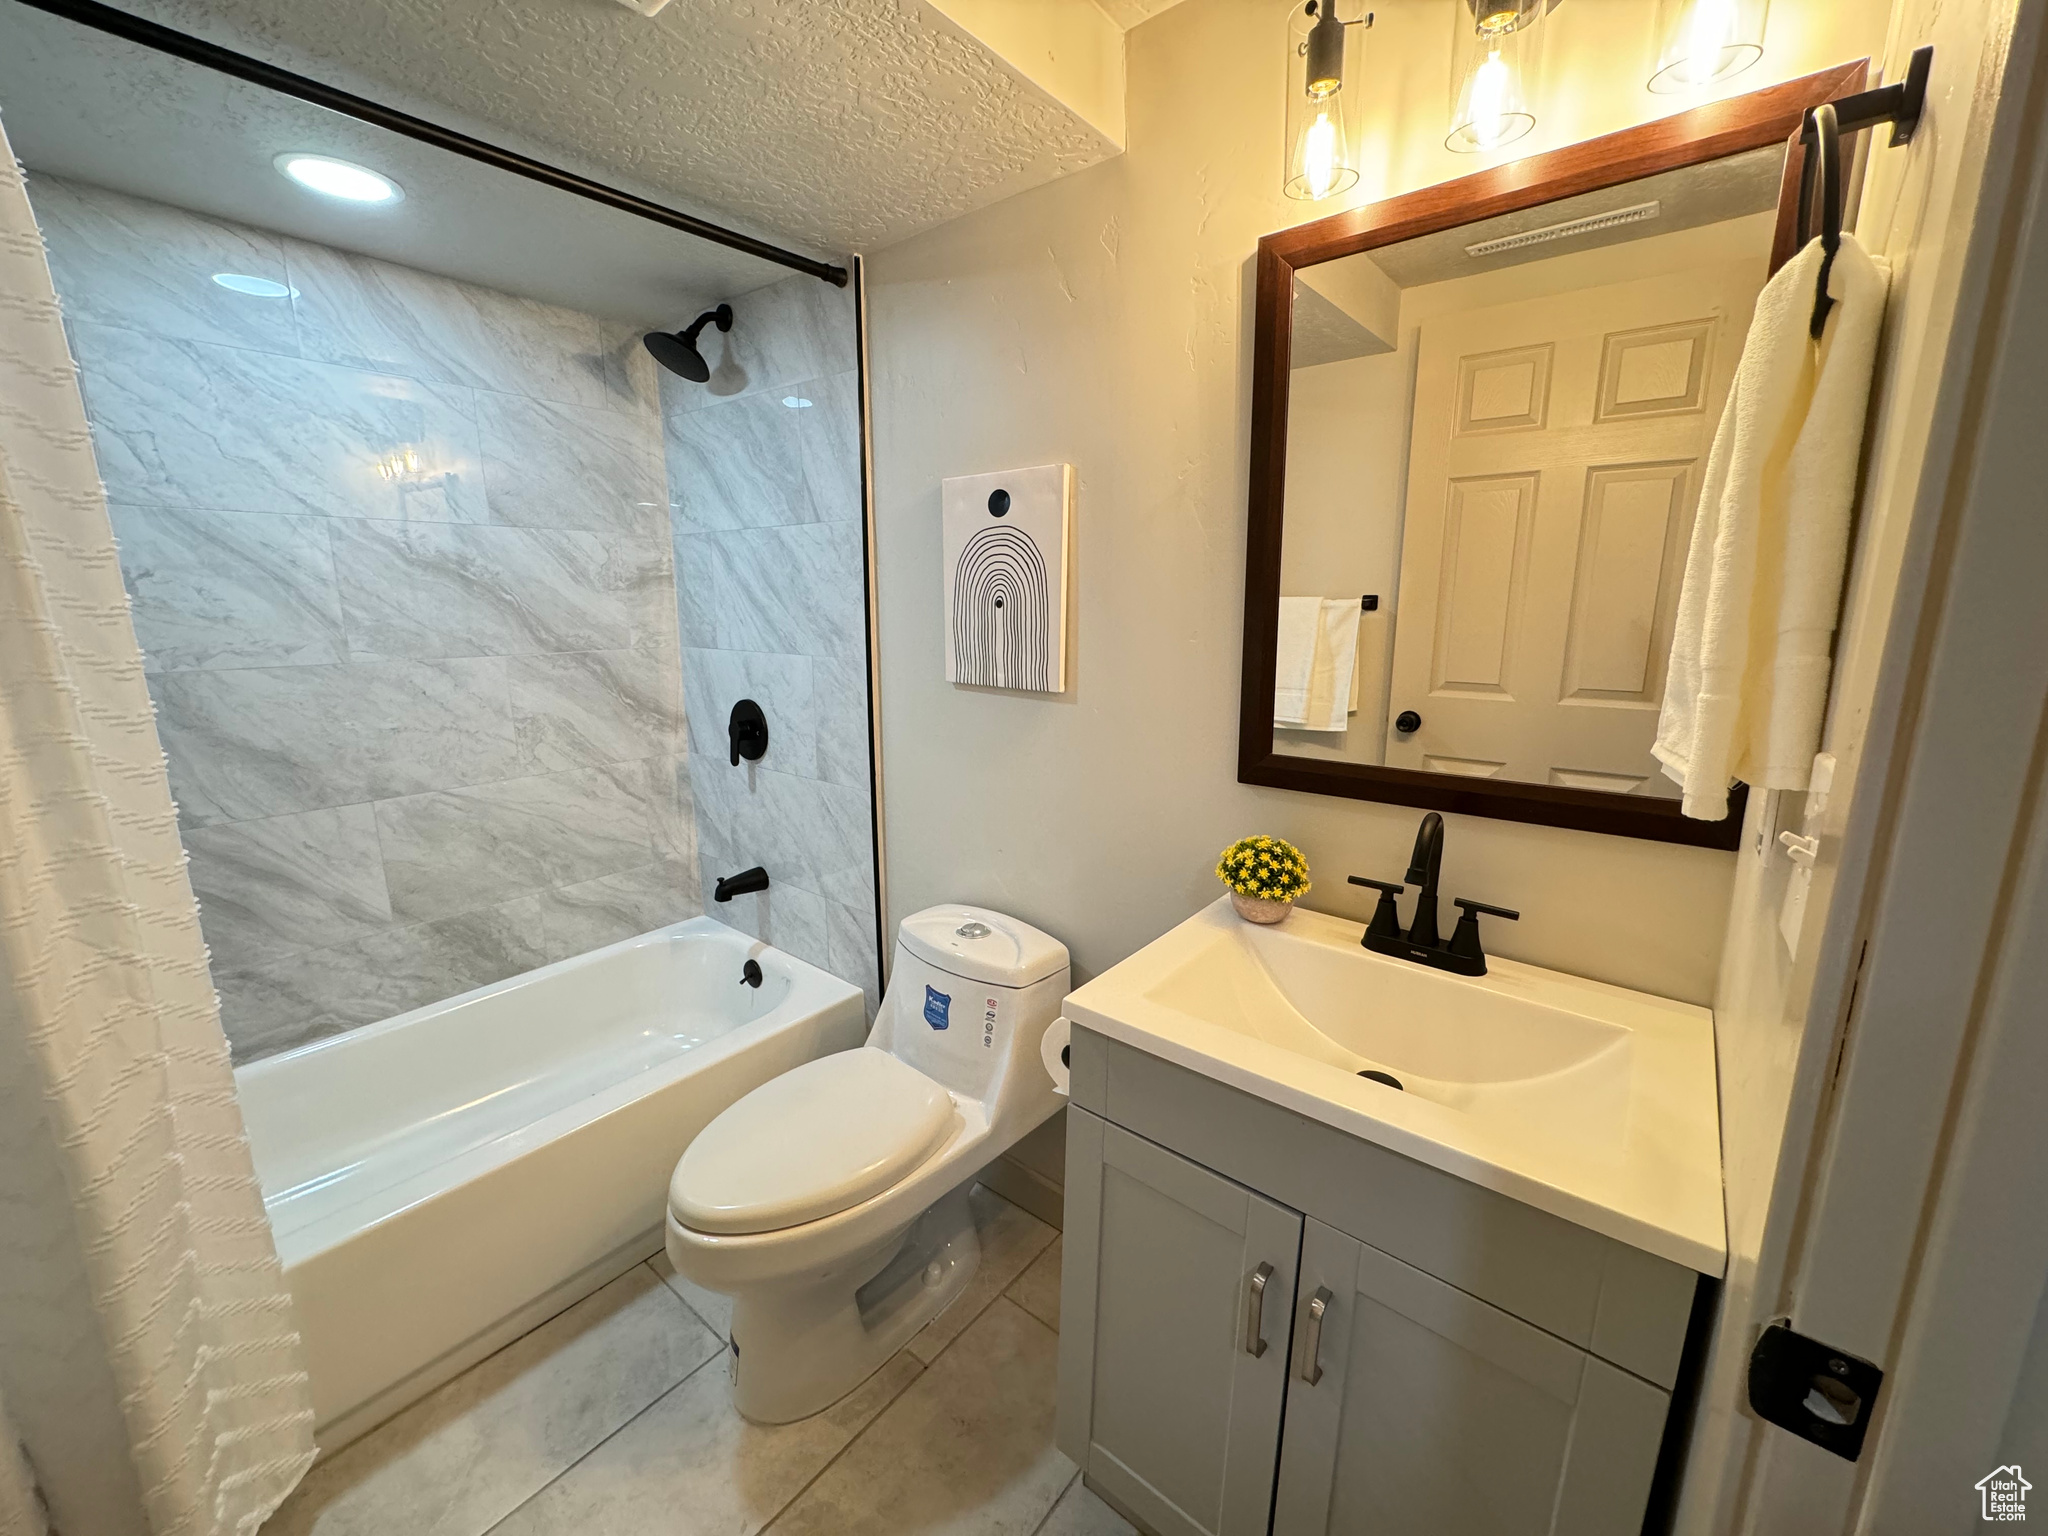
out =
column 1174, row 1308
column 1422, row 1411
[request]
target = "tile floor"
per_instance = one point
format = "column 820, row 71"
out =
column 614, row 1419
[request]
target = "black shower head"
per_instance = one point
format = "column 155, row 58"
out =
column 677, row 350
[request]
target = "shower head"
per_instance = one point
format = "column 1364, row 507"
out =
column 677, row 350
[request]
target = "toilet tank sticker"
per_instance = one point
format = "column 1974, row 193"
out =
column 988, row 1026
column 937, row 1005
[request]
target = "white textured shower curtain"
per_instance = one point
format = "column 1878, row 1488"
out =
column 148, row 1353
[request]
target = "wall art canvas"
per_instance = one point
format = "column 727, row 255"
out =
column 1005, row 538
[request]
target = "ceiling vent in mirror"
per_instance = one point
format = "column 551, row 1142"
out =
column 1586, row 226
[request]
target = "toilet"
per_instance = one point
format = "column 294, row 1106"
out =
column 830, row 1203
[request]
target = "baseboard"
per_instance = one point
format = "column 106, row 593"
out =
column 395, row 1399
column 1117, row 1505
column 1022, row 1187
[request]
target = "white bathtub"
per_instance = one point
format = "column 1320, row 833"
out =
column 446, row 1179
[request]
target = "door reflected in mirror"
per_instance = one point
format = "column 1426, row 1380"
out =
column 1496, row 436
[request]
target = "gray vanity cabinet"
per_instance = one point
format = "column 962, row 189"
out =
column 1423, row 1357
column 1432, row 1413
column 1189, row 1322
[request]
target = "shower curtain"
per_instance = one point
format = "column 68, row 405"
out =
column 149, row 1358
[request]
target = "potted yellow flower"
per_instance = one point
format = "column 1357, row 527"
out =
column 1265, row 876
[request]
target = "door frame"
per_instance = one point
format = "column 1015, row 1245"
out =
column 1913, row 1132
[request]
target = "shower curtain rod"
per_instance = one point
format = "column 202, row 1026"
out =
column 109, row 19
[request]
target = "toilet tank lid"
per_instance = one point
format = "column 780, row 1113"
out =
column 982, row 945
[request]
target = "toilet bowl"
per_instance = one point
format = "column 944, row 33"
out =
column 830, row 1203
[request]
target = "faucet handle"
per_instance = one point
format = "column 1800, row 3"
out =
column 1386, row 917
column 1476, row 907
column 1465, row 939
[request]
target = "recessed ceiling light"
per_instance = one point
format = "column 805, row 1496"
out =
column 339, row 178
column 255, row 287
column 795, row 402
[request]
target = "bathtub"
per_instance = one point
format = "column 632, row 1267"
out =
column 442, row 1181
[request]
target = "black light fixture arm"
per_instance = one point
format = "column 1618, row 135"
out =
column 181, row 45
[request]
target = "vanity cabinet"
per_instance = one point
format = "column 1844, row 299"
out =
column 1270, row 1326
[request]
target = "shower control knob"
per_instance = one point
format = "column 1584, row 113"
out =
column 747, row 732
column 1407, row 722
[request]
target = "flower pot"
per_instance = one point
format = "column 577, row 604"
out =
column 1260, row 909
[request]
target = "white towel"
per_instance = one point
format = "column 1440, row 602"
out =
column 1336, row 666
column 1748, row 682
column 1295, row 661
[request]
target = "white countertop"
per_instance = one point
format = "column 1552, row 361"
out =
column 1591, row 1102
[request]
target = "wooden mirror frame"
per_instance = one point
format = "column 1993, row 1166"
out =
column 1712, row 132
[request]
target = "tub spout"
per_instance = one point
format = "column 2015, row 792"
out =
column 755, row 879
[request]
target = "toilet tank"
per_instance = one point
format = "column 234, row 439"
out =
column 970, row 994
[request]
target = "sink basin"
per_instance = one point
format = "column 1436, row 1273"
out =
column 1589, row 1101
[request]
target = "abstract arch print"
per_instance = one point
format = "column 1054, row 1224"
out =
column 1001, row 610
column 1006, row 577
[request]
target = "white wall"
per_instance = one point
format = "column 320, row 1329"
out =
column 1105, row 320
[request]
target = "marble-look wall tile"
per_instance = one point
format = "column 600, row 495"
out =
column 228, row 589
column 828, row 438
column 839, row 704
column 421, row 590
column 640, row 569
column 274, row 1005
column 192, row 424
column 274, row 887
column 373, row 314
column 263, row 741
column 517, row 835
column 817, row 835
column 673, row 806
column 149, row 267
column 632, row 378
column 575, row 709
column 739, row 464
column 549, row 465
column 594, row 913
column 795, row 589
column 850, row 945
column 714, row 681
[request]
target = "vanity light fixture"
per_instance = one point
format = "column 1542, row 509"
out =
column 255, row 287
column 1702, row 41
column 1323, row 51
column 342, row 179
column 1496, row 51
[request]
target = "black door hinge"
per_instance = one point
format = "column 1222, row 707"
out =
column 1821, row 1394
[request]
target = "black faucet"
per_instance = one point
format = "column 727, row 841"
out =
column 741, row 884
column 747, row 732
column 1421, row 943
column 1423, row 866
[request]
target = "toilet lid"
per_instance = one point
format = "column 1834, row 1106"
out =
column 813, row 1141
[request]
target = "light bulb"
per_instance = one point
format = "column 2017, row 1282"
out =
column 1495, row 56
column 1490, row 84
column 1702, row 41
column 1319, row 155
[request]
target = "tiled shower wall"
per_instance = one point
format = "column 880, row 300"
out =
column 764, row 474
column 400, row 561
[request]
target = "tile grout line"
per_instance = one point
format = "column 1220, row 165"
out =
column 674, row 1387
column 852, row 1440
column 1046, row 1518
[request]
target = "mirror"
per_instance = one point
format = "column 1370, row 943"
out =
column 1487, row 417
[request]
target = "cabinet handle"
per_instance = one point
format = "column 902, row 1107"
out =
column 1310, row 1368
column 1255, row 1310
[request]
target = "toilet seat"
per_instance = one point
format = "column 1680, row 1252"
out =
column 810, row 1143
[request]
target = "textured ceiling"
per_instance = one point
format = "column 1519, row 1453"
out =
column 840, row 125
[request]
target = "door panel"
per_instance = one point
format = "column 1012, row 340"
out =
column 1439, row 1415
column 1183, row 1421
column 1555, row 461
